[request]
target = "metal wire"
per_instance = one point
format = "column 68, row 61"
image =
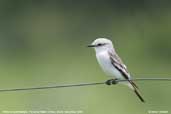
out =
column 81, row 84
column 51, row 87
column 148, row 79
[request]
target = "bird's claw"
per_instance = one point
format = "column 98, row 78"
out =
column 111, row 81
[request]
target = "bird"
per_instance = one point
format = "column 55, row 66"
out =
column 112, row 64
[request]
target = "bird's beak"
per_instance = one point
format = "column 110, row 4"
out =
column 90, row 45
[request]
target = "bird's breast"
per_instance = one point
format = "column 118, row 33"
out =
column 103, row 59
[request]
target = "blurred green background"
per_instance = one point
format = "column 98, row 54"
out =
column 43, row 42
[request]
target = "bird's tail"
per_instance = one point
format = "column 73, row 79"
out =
column 135, row 88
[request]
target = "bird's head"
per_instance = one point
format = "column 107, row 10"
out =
column 101, row 44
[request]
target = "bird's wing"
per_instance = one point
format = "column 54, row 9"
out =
column 119, row 65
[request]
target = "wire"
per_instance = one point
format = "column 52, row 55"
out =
column 148, row 79
column 50, row 87
column 82, row 84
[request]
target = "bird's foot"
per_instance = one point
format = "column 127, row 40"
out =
column 111, row 81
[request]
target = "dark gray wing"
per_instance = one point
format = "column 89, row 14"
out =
column 118, row 64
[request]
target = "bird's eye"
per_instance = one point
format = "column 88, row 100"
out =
column 99, row 44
